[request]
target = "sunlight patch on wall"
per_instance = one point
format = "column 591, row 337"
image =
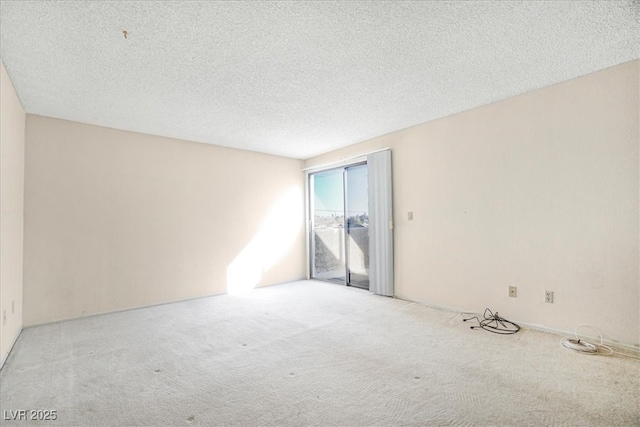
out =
column 273, row 240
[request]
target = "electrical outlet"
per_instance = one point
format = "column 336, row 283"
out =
column 548, row 296
column 410, row 216
column 512, row 291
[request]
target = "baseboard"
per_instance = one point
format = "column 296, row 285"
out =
column 565, row 334
column 541, row 328
column 119, row 310
column 15, row 339
column 138, row 307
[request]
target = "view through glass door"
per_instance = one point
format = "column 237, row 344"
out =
column 340, row 225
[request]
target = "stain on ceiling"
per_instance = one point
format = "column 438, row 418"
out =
column 298, row 79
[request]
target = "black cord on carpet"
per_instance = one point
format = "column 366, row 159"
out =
column 494, row 323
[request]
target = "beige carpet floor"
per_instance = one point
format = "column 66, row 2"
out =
column 308, row 353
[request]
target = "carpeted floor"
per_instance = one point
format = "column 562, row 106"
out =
column 308, row 353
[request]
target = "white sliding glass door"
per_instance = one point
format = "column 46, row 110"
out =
column 340, row 225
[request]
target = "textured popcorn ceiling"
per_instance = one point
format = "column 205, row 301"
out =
column 298, row 78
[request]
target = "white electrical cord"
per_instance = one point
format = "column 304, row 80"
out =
column 580, row 346
column 586, row 347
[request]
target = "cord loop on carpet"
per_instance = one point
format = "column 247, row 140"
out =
column 494, row 323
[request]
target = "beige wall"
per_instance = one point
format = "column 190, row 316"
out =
column 117, row 219
column 12, row 128
column 539, row 191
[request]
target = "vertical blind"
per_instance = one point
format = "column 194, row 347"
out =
column 380, row 223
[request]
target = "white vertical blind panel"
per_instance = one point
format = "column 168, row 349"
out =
column 380, row 223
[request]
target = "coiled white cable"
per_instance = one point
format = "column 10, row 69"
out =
column 584, row 346
column 580, row 346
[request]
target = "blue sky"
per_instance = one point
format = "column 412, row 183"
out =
column 328, row 191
